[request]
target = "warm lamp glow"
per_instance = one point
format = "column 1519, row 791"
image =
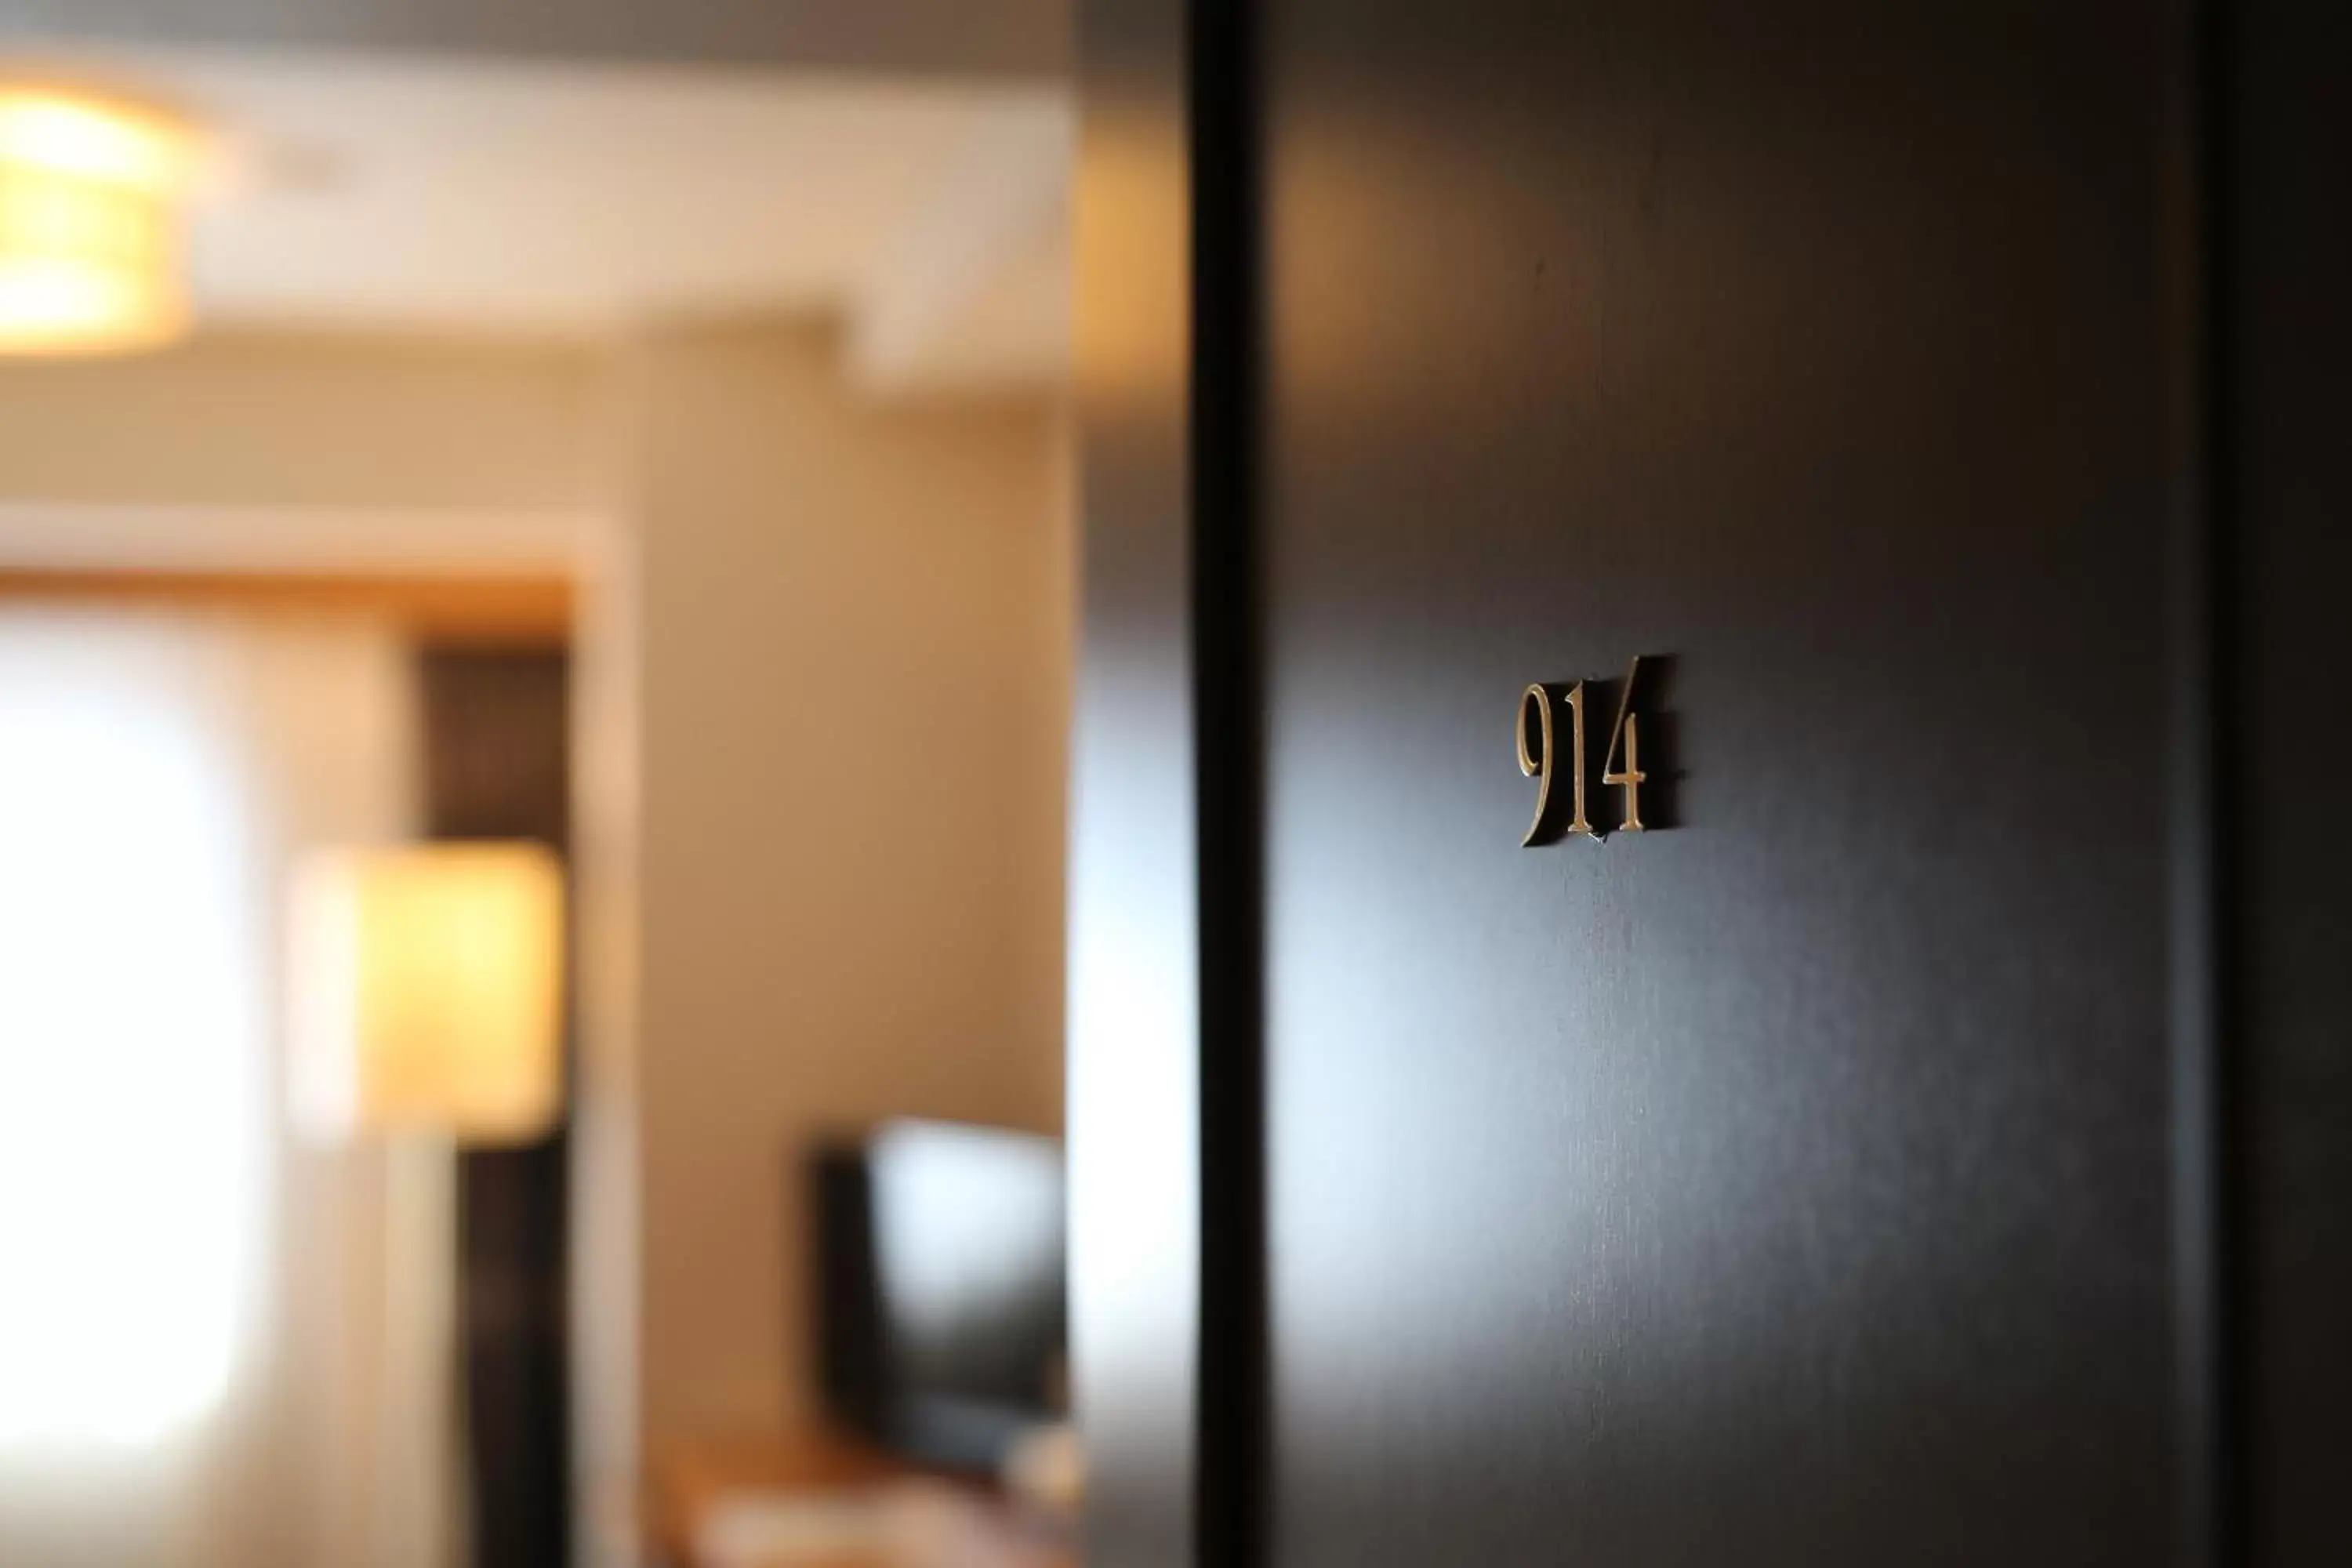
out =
column 428, row 991
column 91, row 222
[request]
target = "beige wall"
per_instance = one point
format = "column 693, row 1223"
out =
column 823, row 670
column 296, row 420
column 854, row 654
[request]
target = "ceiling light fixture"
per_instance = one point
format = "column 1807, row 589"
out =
column 93, row 219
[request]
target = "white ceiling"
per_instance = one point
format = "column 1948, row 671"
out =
column 933, row 37
column 436, row 194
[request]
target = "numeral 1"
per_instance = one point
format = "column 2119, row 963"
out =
column 1577, row 824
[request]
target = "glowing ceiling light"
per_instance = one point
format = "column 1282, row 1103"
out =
column 92, row 193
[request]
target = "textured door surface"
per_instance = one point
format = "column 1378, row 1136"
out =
column 1929, row 1141
column 1788, row 1184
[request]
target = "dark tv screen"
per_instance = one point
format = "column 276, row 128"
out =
column 942, row 1251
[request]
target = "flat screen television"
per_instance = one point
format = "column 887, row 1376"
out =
column 942, row 1326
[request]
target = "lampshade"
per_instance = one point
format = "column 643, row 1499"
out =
column 91, row 194
column 428, row 991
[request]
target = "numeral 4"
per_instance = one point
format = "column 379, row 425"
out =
column 1627, row 731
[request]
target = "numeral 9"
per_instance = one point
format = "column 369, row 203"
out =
column 1535, row 704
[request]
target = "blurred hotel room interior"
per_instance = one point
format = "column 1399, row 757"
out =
column 616, row 510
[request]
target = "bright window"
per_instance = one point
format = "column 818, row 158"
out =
column 131, row 1134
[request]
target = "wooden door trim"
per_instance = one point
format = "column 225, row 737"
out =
column 535, row 609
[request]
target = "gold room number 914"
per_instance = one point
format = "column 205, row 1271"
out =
column 1544, row 712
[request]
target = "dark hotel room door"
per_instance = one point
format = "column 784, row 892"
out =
column 1920, row 1142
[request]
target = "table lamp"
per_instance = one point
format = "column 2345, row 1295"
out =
column 426, row 1013
column 427, row 992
